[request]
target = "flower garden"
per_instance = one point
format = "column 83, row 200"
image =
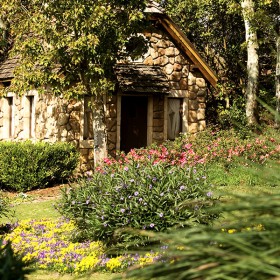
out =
column 48, row 242
column 135, row 198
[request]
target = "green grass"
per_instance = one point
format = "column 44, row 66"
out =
column 32, row 210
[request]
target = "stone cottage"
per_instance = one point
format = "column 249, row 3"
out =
column 158, row 96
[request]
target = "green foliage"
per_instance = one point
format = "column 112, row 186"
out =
column 4, row 205
column 25, row 165
column 246, row 247
column 11, row 265
column 139, row 196
column 70, row 45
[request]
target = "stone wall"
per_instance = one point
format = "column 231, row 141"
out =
column 163, row 52
column 55, row 119
column 184, row 82
column 197, row 103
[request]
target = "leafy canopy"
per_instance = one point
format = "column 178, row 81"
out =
column 71, row 45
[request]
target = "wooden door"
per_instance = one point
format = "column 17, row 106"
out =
column 133, row 122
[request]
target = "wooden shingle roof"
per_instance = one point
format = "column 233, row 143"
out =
column 7, row 69
column 141, row 78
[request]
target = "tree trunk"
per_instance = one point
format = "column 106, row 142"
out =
column 277, row 82
column 252, row 62
column 99, row 130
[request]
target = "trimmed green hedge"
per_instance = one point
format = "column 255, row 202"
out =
column 26, row 165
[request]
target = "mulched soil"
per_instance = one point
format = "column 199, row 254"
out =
column 41, row 194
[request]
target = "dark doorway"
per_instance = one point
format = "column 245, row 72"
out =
column 133, row 122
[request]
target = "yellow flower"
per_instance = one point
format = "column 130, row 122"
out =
column 114, row 263
column 86, row 263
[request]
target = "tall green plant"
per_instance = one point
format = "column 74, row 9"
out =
column 246, row 246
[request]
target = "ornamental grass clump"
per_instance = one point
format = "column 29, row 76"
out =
column 139, row 196
column 247, row 246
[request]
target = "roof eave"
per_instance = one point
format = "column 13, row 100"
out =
column 175, row 32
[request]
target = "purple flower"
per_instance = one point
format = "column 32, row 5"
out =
column 182, row 188
column 102, row 217
column 122, row 210
column 125, row 168
column 150, row 187
column 160, row 214
column 136, row 193
column 209, row 194
column 105, row 225
column 88, row 201
column 154, row 179
column 140, row 199
column 152, row 225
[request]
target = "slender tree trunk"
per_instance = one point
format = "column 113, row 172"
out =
column 277, row 82
column 99, row 130
column 252, row 62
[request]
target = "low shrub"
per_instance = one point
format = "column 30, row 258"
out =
column 25, row 165
column 140, row 196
